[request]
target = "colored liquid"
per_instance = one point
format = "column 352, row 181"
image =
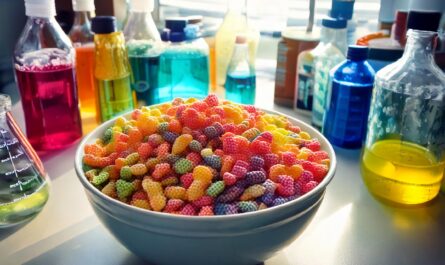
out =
column 240, row 89
column 50, row 105
column 347, row 114
column 23, row 190
column 182, row 74
column 401, row 172
column 115, row 97
column 85, row 86
column 144, row 78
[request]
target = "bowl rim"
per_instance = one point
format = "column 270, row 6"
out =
column 318, row 189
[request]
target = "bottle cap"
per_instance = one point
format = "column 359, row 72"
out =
column 177, row 36
column 142, row 5
column 176, row 24
column 342, row 9
column 83, row 5
column 423, row 20
column 333, row 23
column 40, row 8
column 165, row 35
column 5, row 103
column 357, row 53
column 192, row 31
column 103, row 24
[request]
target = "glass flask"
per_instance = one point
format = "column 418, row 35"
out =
column 404, row 156
column 23, row 182
column 44, row 63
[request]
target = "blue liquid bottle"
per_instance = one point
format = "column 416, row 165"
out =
column 183, row 66
column 240, row 81
column 350, row 96
column 144, row 46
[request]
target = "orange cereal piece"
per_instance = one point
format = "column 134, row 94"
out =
column 121, row 147
column 144, row 150
column 181, row 143
column 151, row 163
column 275, row 171
column 120, row 162
column 94, row 149
column 94, row 161
column 227, row 164
column 147, row 124
column 202, row 173
column 161, row 170
column 134, row 136
column 175, row 192
column 197, row 190
column 175, row 126
column 294, row 171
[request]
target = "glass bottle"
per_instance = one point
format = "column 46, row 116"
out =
column 144, row 47
column 24, row 185
column 348, row 103
column 44, row 71
column 183, row 65
column 83, row 41
column 404, row 156
column 234, row 23
column 240, row 81
column 111, row 70
column 331, row 54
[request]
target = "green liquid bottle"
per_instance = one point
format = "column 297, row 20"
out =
column 112, row 70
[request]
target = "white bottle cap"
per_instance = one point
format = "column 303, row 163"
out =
column 40, row 8
column 83, row 5
column 142, row 5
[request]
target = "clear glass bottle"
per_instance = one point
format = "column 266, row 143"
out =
column 144, row 47
column 83, row 41
column 111, row 70
column 240, row 81
column 44, row 69
column 348, row 103
column 183, row 65
column 404, row 157
column 24, row 185
column 234, row 23
column 331, row 54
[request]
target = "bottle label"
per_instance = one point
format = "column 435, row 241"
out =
column 305, row 88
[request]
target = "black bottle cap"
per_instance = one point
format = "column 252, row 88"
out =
column 104, row 25
column 423, row 20
column 357, row 53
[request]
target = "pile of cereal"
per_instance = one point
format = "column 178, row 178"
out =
column 206, row 157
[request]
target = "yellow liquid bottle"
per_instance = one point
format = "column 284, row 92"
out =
column 401, row 172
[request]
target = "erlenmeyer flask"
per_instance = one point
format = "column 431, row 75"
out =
column 23, row 182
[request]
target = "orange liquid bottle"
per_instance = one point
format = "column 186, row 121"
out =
column 83, row 41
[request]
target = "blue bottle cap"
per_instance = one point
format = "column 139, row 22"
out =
column 333, row 23
column 357, row 53
column 176, row 24
column 103, row 24
column 177, row 36
column 192, row 31
column 423, row 20
column 165, row 35
column 342, row 9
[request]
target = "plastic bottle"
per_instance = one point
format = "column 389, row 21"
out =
column 344, row 9
column 111, row 70
column 404, row 157
column 240, row 82
column 83, row 41
column 234, row 23
column 183, row 66
column 348, row 105
column 24, row 186
column 44, row 69
column 144, row 47
column 331, row 54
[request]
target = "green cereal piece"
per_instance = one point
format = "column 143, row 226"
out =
column 162, row 127
column 125, row 173
column 195, row 146
column 247, row 206
column 183, row 166
column 100, row 179
column 108, row 134
column 216, row 188
column 124, row 189
column 132, row 158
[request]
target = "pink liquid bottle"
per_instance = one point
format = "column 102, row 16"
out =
column 44, row 67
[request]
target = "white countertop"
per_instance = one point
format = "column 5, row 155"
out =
column 350, row 227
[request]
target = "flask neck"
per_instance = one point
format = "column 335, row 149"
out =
column 420, row 46
column 82, row 17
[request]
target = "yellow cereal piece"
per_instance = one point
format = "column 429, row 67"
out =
column 175, row 192
column 120, row 122
column 305, row 135
column 181, row 143
column 197, row 190
column 202, row 173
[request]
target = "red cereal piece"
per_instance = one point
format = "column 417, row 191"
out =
column 206, row 211
column 188, row 209
column 144, row 150
column 173, row 205
column 288, row 158
column 309, row 186
column 186, row 180
column 229, row 179
column 313, row 145
column 205, row 200
column 260, row 147
column 195, row 158
column 318, row 156
column 319, row 171
column 161, row 170
column 212, row 100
